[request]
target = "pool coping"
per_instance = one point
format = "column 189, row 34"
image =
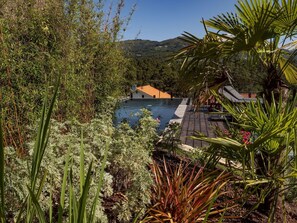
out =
column 180, row 112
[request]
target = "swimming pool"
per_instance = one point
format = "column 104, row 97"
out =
column 163, row 109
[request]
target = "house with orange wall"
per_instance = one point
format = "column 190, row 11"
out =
column 147, row 91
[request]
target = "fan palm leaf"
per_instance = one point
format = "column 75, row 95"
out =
column 259, row 31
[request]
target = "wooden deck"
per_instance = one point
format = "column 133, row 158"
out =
column 198, row 121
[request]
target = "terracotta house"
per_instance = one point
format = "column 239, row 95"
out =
column 148, row 91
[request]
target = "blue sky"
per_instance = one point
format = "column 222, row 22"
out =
column 165, row 19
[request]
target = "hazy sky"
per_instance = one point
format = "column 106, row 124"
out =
column 165, row 19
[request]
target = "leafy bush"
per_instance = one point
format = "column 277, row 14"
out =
column 74, row 159
column 170, row 139
column 41, row 41
column 131, row 155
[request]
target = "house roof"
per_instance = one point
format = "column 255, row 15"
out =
column 148, row 89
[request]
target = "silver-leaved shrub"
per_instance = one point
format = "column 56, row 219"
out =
column 126, row 177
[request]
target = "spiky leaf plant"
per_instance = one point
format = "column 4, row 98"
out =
column 186, row 194
column 266, row 162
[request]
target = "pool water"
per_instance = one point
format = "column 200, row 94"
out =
column 162, row 109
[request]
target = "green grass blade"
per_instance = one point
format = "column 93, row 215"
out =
column 63, row 189
column 2, row 208
column 39, row 149
column 41, row 184
column 210, row 207
column 295, row 148
column 51, row 203
column 82, row 169
column 42, row 139
column 136, row 219
column 73, row 209
column 81, row 163
column 36, row 147
column 19, row 217
column 40, row 213
column 84, row 196
column 222, row 216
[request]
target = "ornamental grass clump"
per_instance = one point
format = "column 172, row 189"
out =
column 185, row 194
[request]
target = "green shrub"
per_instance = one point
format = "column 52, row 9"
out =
column 85, row 144
column 170, row 139
column 131, row 155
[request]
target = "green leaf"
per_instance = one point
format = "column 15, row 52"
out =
column 42, row 139
column 40, row 213
column 81, row 163
column 220, row 141
column 289, row 70
column 64, row 185
column 84, row 196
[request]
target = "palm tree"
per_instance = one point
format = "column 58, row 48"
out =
column 261, row 31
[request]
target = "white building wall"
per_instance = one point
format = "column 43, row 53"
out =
column 139, row 94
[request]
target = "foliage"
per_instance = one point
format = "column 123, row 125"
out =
column 41, row 40
column 184, row 194
column 154, row 71
column 131, row 154
column 266, row 159
column 170, row 139
column 152, row 49
column 235, row 133
column 71, row 180
column 261, row 32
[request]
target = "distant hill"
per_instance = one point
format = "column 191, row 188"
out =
column 148, row 48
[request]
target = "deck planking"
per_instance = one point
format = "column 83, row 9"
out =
column 198, row 121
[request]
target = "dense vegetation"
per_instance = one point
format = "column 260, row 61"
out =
column 42, row 42
column 150, row 63
column 73, row 47
column 260, row 33
column 63, row 68
column 262, row 149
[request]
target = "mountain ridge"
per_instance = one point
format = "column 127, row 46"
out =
column 152, row 48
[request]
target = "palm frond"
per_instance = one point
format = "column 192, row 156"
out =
column 289, row 70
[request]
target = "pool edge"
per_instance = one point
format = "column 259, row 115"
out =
column 180, row 112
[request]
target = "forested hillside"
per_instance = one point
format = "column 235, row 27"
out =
column 148, row 48
column 151, row 63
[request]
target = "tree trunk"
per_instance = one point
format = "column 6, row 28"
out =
column 274, row 86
